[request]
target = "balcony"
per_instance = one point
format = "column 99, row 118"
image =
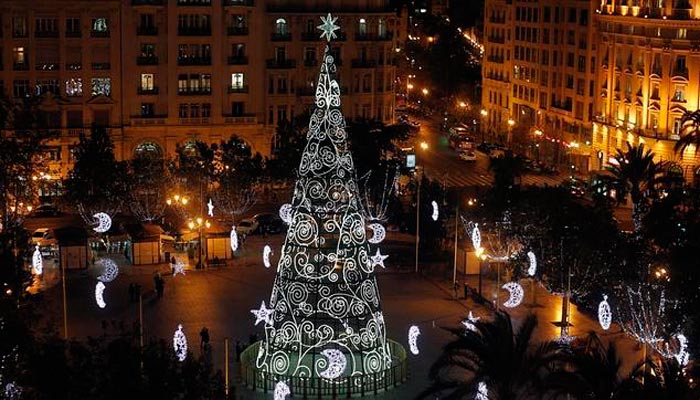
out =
column 195, row 3
column 310, row 37
column 74, row 66
column 496, row 39
column 45, row 34
column 147, row 31
column 309, row 91
column 19, row 34
column 360, row 63
column 148, row 2
column 73, row 34
column 100, row 66
column 240, row 3
column 47, row 67
column 140, row 120
column 194, row 31
column 245, row 119
column 237, row 60
column 237, row 30
column 280, row 64
column 99, row 34
column 311, row 62
column 195, row 121
column 281, row 37
column 194, row 92
column 373, row 37
column 680, row 72
column 147, row 60
column 147, row 91
column 194, row 61
column 20, row 66
column 238, row 89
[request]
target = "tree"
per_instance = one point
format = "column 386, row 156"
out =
column 289, row 144
column 636, row 173
column 149, row 181
column 97, row 182
column 689, row 132
column 506, row 360
column 371, row 142
column 194, row 170
column 506, row 169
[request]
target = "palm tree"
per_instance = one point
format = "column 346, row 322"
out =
column 506, row 361
column 689, row 132
column 636, row 173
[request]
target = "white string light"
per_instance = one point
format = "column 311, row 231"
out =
column 180, row 344
column 413, row 333
column 267, row 252
column 532, row 269
column 281, row 391
column 210, row 208
column 336, row 364
column 99, row 295
column 378, row 259
column 436, row 210
column 262, row 314
column 476, row 237
column 110, row 270
column 682, row 356
column 104, row 222
column 234, row 238
column 482, row 391
column 378, row 233
column 470, row 321
column 286, row 213
column 604, row 313
column 516, row 294
column 37, row 261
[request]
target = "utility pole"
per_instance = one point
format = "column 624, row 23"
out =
column 417, row 219
column 454, row 267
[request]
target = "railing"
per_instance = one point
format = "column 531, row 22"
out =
column 373, row 37
column 147, row 31
column 310, row 62
column 497, row 39
column 194, row 61
column 237, row 60
column 195, row 121
column 74, row 66
column 280, row 64
column 101, row 66
column 245, row 3
column 238, row 89
column 148, row 60
column 147, row 2
column 310, row 37
column 237, row 30
column 73, row 34
column 194, row 92
column 47, row 67
column 20, row 66
column 46, row 34
column 147, row 91
column 99, row 34
column 316, row 387
column 194, row 31
column 360, row 63
column 155, row 120
column 241, row 119
column 281, row 37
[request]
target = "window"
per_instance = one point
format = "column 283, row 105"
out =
column 206, row 110
column 19, row 56
column 101, row 86
column 238, row 50
column 281, row 28
column 679, row 93
column 46, row 86
column 146, row 21
column 309, row 54
column 19, row 27
column 46, row 27
column 73, row 27
column 381, row 28
column 682, row 33
column 74, row 119
column 20, row 88
column 362, row 27
column 281, row 84
column 74, row 87
column 101, row 117
column 183, row 110
column 237, row 80
column 147, row 109
column 237, row 108
column 194, row 110
column 147, row 81
column 148, row 50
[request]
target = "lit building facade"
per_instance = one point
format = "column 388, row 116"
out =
column 158, row 73
column 579, row 79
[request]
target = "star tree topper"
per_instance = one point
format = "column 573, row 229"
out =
column 328, row 27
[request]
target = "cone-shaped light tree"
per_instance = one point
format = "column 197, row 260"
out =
column 326, row 307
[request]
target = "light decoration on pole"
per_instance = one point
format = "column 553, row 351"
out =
column 110, row 270
column 476, row 237
column 413, row 333
column 234, row 238
column 103, row 221
column 470, row 321
column 516, row 292
column 179, row 267
column 532, row 268
column 37, row 261
column 336, row 364
column 436, row 210
column 99, row 295
column 210, row 208
column 267, row 252
column 682, row 356
column 281, row 391
column 482, row 391
column 325, row 294
column 378, row 233
column 604, row 313
column 180, row 344
column 378, row 259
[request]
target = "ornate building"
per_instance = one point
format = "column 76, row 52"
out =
column 575, row 80
column 158, row 73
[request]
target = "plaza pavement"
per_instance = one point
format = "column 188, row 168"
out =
column 221, row 299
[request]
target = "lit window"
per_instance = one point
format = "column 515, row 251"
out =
column 147, row 81
column 101, row 86
column 99, row 25
column 19, row 55
column 363, row 27
column 381, row 28
column 679, row 93
column 74, row 87
column 237, row 81
column 281, row 26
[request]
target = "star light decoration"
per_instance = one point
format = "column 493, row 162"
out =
column 436, row 210
column 413, row 333
column 328, row 27
column 378, row 259
column 470, row 321
column 337, row 362
column 604, row 313
column 180, row 344
column 37, row 261
column 179, row 267
column 210, row 208
column 516, row 294
column 263, row 314
column 281, row 390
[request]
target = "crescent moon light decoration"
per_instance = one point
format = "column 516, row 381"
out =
column 476, row 237
column 532, row 269
column 37, row 261
column 436, row 210
column 267, row 252
column 104, row 222
column 482, row 392
column 180, row 343
column 413, row 333
column 516, row 294
column 286, row 213
column 281, row 390
column 234, row 238
column 604, row 313
column 110, row 270
column 99, row 295
column 336, row 363
column 378, row 233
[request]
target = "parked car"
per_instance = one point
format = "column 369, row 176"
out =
column 246, row 226
column 576, row 187
column 467, row 155
column 269, row 223
column 45, row 210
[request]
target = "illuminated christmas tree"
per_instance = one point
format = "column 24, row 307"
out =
column 325, row 318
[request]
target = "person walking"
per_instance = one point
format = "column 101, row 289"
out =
column 204, row 336
column 159, row 283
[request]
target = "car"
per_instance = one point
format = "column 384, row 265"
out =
column 467, row 155
column 268, row 223
column 45, row 210
column 246, row 226
column 38, row 235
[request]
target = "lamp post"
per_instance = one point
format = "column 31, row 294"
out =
column 409, row 86
column 199, row 223
column 484, row 114
column 511, row 123
column 419, row 179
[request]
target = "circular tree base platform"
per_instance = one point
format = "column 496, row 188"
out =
column 317, row 387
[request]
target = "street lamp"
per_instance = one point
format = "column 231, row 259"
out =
column 511, row 123
column 409, row 86
column 484, row 114
column 199, row 223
